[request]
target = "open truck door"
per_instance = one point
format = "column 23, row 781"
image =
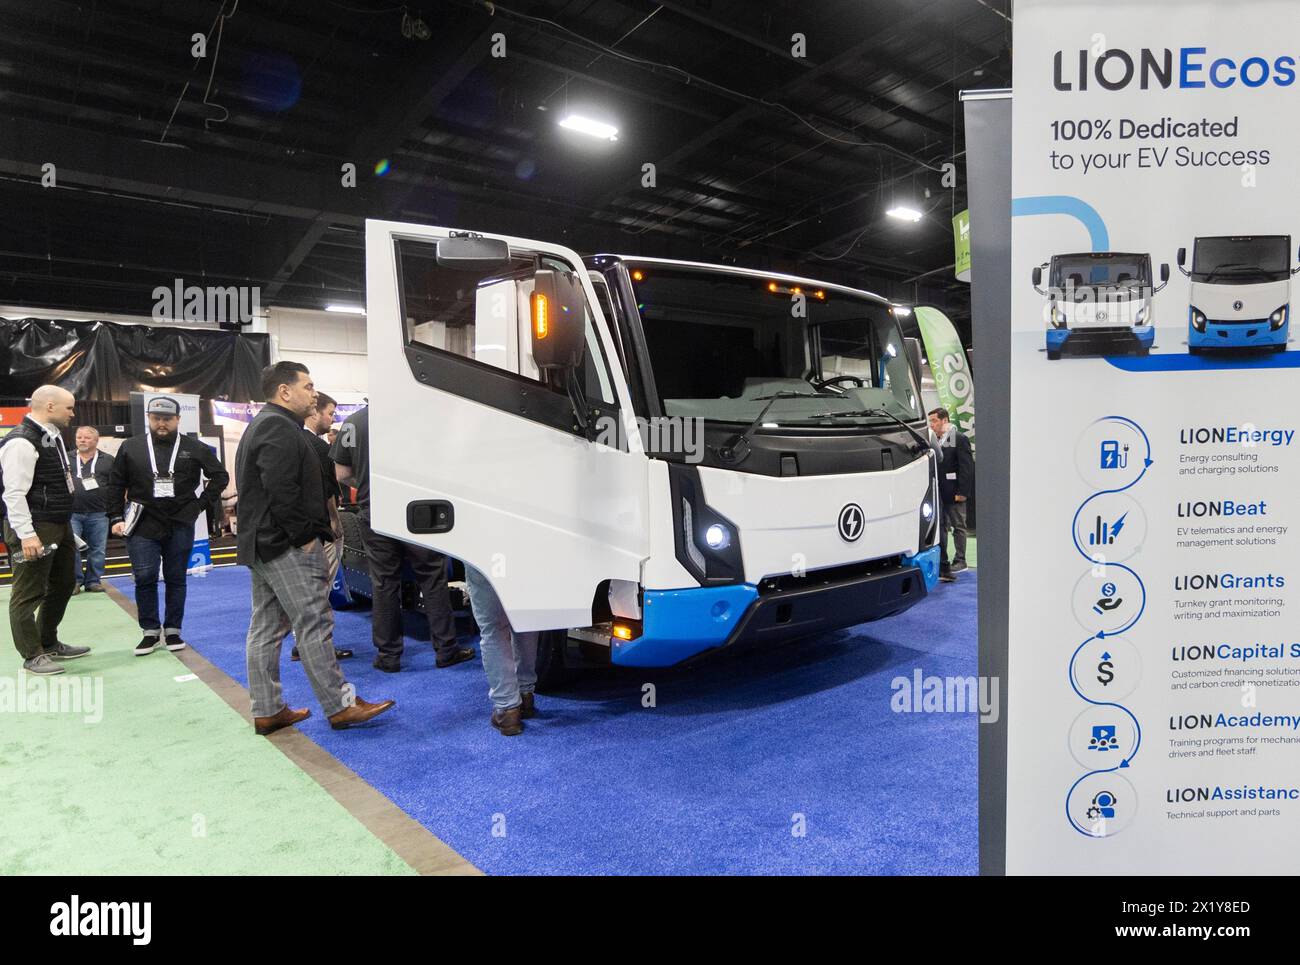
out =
column 501, row 426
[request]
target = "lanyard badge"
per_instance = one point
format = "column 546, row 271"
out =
column 164, row 487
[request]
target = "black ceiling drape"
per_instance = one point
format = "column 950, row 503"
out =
column 105, row 360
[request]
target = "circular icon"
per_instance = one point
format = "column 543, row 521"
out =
column 1111, row 453
column 1103, row 736
column 1108, row 599
column 1236, row 306
column 1101, row 805
column 1106, row 669
column 1110, row 528
column 850, row 522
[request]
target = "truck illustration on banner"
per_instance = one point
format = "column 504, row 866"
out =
column 1099, row 302
column 1240, row 292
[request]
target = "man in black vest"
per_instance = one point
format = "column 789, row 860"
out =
column 36, row 476
column 160, row 471
column 283, row 524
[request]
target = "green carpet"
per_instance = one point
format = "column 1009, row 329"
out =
column 152, row 775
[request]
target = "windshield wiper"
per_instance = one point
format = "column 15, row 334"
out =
column 736, row 449
column 922, row 442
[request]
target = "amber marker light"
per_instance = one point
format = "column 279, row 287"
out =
column 541, row 323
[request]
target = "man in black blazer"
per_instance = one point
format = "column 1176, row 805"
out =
column 956, row 483
column 283, row 523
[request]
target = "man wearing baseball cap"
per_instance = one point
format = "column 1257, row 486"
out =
column 160, row 471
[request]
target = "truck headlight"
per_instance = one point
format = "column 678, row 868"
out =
column 928, row 516
column 1197, row 318
column 1142, row 314
column 1058, row 317
column 1278, row 318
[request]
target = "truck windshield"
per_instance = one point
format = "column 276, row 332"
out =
column 1102, row 270
column 724, row 345
column 1242, row 261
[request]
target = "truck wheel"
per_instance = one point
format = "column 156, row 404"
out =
column 551, row 668
column 1053, row 354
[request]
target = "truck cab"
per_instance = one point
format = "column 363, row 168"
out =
column 651, row 459
column 1099, row 302
column 1240, row 294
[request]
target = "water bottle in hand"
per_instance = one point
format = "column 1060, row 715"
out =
column 46, row 550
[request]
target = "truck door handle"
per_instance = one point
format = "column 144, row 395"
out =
column 429, row 516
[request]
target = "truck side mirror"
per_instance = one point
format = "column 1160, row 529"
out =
column 473, row 253
column 1038, row 276
column 556, row 308
column 1164, row 272
column 1182, row 257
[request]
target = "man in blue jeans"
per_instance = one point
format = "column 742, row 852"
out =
column 509, row 658
column 160, row 471
column 90, row 475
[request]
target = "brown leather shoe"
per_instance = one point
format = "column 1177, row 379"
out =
column 527, row 709
column 360, row 712
column 508, row 722
column 285, row 718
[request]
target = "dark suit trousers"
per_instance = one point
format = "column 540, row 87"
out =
column 43, row 585
column 385, row 556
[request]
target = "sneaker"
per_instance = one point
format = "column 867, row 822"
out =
column 64, row 651
column 95, row 588
column 42, row 666
column 527, row 707
column 146, row 646
column 508, row 722
column 173, row 642
column 959, row 566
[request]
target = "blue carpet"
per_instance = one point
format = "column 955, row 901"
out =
column 738, row 754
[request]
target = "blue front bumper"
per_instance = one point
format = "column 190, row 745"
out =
column 680, row 624
column 1237, row 335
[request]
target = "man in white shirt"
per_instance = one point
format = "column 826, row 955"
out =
column 36, row 476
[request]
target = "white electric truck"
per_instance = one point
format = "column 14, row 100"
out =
column 1240, row 292
column 1099, row 302
column 652, row 459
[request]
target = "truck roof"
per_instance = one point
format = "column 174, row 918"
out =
column 1101, row 255
column 747, row 272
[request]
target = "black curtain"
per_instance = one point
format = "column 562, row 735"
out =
column 109, row 361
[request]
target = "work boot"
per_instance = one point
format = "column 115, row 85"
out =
column 508, row 721
column 360, row 712
column 527, row 709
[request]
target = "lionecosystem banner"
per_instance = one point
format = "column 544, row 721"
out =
column 952, row 375
column 1154, row 638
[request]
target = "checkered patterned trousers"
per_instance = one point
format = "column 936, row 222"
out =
column 291, row 592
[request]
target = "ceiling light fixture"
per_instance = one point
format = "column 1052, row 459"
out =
column 346, row 309
column 903, row 213
column 585, row 125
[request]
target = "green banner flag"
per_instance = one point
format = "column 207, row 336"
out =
column 961, row 245
column 952, row 375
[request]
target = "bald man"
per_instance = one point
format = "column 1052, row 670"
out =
column 36, row 481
